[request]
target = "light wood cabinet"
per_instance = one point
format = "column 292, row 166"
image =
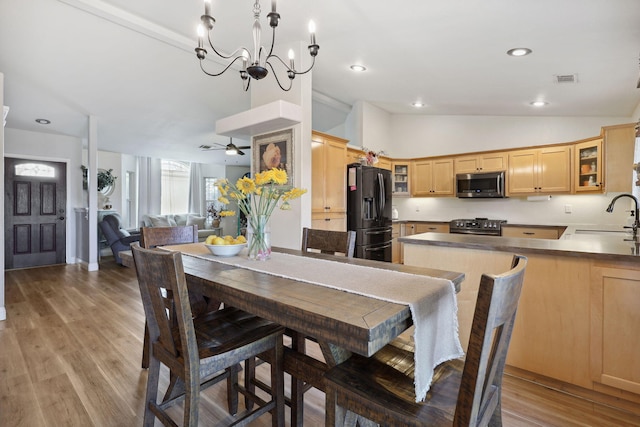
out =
column 588, row 167
column 353, row 155
column 384, row 163
column 432, row 177
column 540, row 171
column 400, row 173
column 481, row 162
column 396, row 247
column 619, row 146
column 615, row 321
column 328, row 182
column 430, row 227
column 532, row 232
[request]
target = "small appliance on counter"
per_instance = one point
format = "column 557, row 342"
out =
column 488, row 227
column 369, row 211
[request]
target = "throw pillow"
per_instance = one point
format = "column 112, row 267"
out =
column 159, row 221
column 196, row 220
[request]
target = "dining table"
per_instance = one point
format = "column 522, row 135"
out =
column 341, row 322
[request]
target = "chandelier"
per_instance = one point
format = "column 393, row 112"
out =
column 254, row 66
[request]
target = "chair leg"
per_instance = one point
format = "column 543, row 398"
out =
column 232, row 389
column 151, row 395
column 277, row 384
column 192, row 397
column 298, row 344
column 145, row 347
column 249, row 385
column 496, row 417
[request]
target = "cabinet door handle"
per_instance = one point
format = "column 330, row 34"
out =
column 327, row 219
column 528, row 233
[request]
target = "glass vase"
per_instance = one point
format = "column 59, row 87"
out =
column 259, row 238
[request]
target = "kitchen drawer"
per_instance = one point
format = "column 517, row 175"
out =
column 531, row 232
column 431, row 228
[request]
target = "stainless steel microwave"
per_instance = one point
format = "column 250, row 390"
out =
column 478, row 185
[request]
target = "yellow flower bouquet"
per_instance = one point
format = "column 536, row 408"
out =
column 257, row 198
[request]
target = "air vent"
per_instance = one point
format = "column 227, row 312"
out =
column 565, row 78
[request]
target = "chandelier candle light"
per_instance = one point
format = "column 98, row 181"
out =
column 257, row 199
column 253, row 66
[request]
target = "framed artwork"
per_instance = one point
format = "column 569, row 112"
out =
column 273, row 150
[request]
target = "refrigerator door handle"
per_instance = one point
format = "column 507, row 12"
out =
column 381, row 195
column 377, row 232
column 377, row 248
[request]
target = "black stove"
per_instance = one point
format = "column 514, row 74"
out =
column 490, row 227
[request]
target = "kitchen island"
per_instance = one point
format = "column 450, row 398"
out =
column 579, row 314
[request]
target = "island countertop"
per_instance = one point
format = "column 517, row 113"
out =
column 589, row 242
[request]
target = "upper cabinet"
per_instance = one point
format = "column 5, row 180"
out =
column 481, row 162
column 328, row 182
column 400, row 173
column 384, row 163
column 619, row 146
column 588, row 167
column 540, row 171
column 353, row 155
column 432, row 177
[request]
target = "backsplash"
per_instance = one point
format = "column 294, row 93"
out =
column 585, row 209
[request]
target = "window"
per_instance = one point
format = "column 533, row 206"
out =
column 211, row 194
column 175, row 187
column 35, row 169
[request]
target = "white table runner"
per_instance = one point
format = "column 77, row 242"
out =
column 432, row 300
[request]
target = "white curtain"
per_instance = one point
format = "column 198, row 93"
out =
column 195, row 188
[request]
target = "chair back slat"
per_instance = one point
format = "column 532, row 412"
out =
column 493, row 321
column 156, row 271
column 151, row 237
column 329, row 242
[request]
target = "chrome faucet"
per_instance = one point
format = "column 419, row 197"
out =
column 636, row 220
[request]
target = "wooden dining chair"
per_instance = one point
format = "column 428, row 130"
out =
column 381, row 388
column 152, row 237
column 329, row 242
column 197, row 349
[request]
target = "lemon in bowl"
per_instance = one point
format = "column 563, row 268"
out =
column 225, row 246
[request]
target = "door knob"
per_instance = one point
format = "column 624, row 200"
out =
column 61, row 218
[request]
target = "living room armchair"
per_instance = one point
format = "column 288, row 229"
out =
column 117, row 237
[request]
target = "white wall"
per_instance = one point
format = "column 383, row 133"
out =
column 415, row 136
column 60, row 148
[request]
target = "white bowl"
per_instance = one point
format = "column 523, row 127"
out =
column 225, row 250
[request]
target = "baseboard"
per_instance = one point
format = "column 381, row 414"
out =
column 601, row 394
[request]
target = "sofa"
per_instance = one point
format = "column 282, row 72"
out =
column 173, row 220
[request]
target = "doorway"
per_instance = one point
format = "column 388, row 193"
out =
column 35, row 216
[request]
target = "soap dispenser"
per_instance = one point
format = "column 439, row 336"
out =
column 394, row 212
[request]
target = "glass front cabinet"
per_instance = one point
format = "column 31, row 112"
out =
column 400, row 175
column 588, row 164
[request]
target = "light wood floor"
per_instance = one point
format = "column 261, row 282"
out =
column 70, row 356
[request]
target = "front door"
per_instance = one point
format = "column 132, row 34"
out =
column 34, row 217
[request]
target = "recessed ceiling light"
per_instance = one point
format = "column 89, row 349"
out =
column 358, row 68
column 519, row 51
column 418, row 104
column 539, row 103
column 43, row 121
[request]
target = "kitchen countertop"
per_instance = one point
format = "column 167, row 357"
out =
column 601, row 242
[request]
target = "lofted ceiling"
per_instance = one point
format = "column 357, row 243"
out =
column 131, row 64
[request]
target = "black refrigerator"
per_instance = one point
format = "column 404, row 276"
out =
column 369, row 210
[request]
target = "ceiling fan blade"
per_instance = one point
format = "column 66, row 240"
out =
column 241, row 153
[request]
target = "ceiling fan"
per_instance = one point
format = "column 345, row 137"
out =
column 231, row 149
